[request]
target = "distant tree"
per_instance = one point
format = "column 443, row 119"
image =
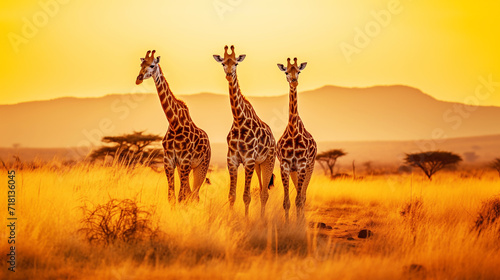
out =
column 496, row 165
column 432, row 162
column 130, row 149
column 368, row 167
column 328, row 159
column 470, row 156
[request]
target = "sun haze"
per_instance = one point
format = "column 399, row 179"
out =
column 55, row 48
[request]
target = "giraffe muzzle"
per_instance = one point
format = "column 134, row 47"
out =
column 139, row 79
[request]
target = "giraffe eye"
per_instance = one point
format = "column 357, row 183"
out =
column 223, row 64
column 286, row 73
column 236, row 64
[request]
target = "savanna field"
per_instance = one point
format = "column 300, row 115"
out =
column 420, row 229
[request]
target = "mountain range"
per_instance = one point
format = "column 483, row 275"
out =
column 330, row 113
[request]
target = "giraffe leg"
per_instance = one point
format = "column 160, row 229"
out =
column 295, row 179
column 259, row 174
column 309, row 172
column 170, row 172
column 267, row 168
column 199, row 175
column 185, row 190
column 301, row 196
column 233, row 177
column 285, row 178
column 169, row 164
column 249, row 169
column 307, row 179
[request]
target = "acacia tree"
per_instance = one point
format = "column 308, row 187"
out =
column 432, row 162
column 496, row 165
column 328, row 159
column 130, row 149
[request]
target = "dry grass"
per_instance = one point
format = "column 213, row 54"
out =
column 489, row 216
column 421, row 229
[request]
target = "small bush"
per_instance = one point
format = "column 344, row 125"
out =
column 117, row 220
column 489, row 215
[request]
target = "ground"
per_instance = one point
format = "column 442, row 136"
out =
column 421, row 229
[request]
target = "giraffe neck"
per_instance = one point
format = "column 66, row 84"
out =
column 236, row 99
column 293, row 112
column 168, row 101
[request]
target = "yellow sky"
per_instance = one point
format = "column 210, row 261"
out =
column 55, row 48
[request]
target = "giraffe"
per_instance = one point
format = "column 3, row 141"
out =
column 296, row 148
column 186, row 146
column 250, row 140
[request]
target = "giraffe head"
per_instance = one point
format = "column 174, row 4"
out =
column 292, row 71
column 229, row 62
column 149, row 64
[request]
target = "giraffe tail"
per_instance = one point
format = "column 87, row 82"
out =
column 271, row 182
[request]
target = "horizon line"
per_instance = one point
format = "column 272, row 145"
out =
column 328, row 141
column 250, row 96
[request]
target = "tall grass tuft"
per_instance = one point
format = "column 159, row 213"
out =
column 413, row 211
column 489, row 216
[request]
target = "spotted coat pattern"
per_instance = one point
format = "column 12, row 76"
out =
column 296, row 148
column 186, row 146
column 250, row 140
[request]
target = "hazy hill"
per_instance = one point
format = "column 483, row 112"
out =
column 329, row 113
column 478, row 150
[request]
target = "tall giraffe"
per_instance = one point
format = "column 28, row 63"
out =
column 186, row 147
column 250, row 140
column 296, row 148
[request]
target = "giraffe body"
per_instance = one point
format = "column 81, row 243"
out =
column 250, row 140
column 186, row 146
column 296, row 148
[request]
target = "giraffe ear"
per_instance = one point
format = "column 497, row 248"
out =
column 157, row 60
column 281, row 67
column 302, row 66
column 241, row 58
column 218, row 58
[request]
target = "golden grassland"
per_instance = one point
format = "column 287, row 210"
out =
column 421, row 229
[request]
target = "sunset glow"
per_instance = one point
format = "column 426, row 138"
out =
column 177, row 140
column 61, row 48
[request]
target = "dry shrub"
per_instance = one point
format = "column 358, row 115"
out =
column 117, row 220
column 489, row 215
